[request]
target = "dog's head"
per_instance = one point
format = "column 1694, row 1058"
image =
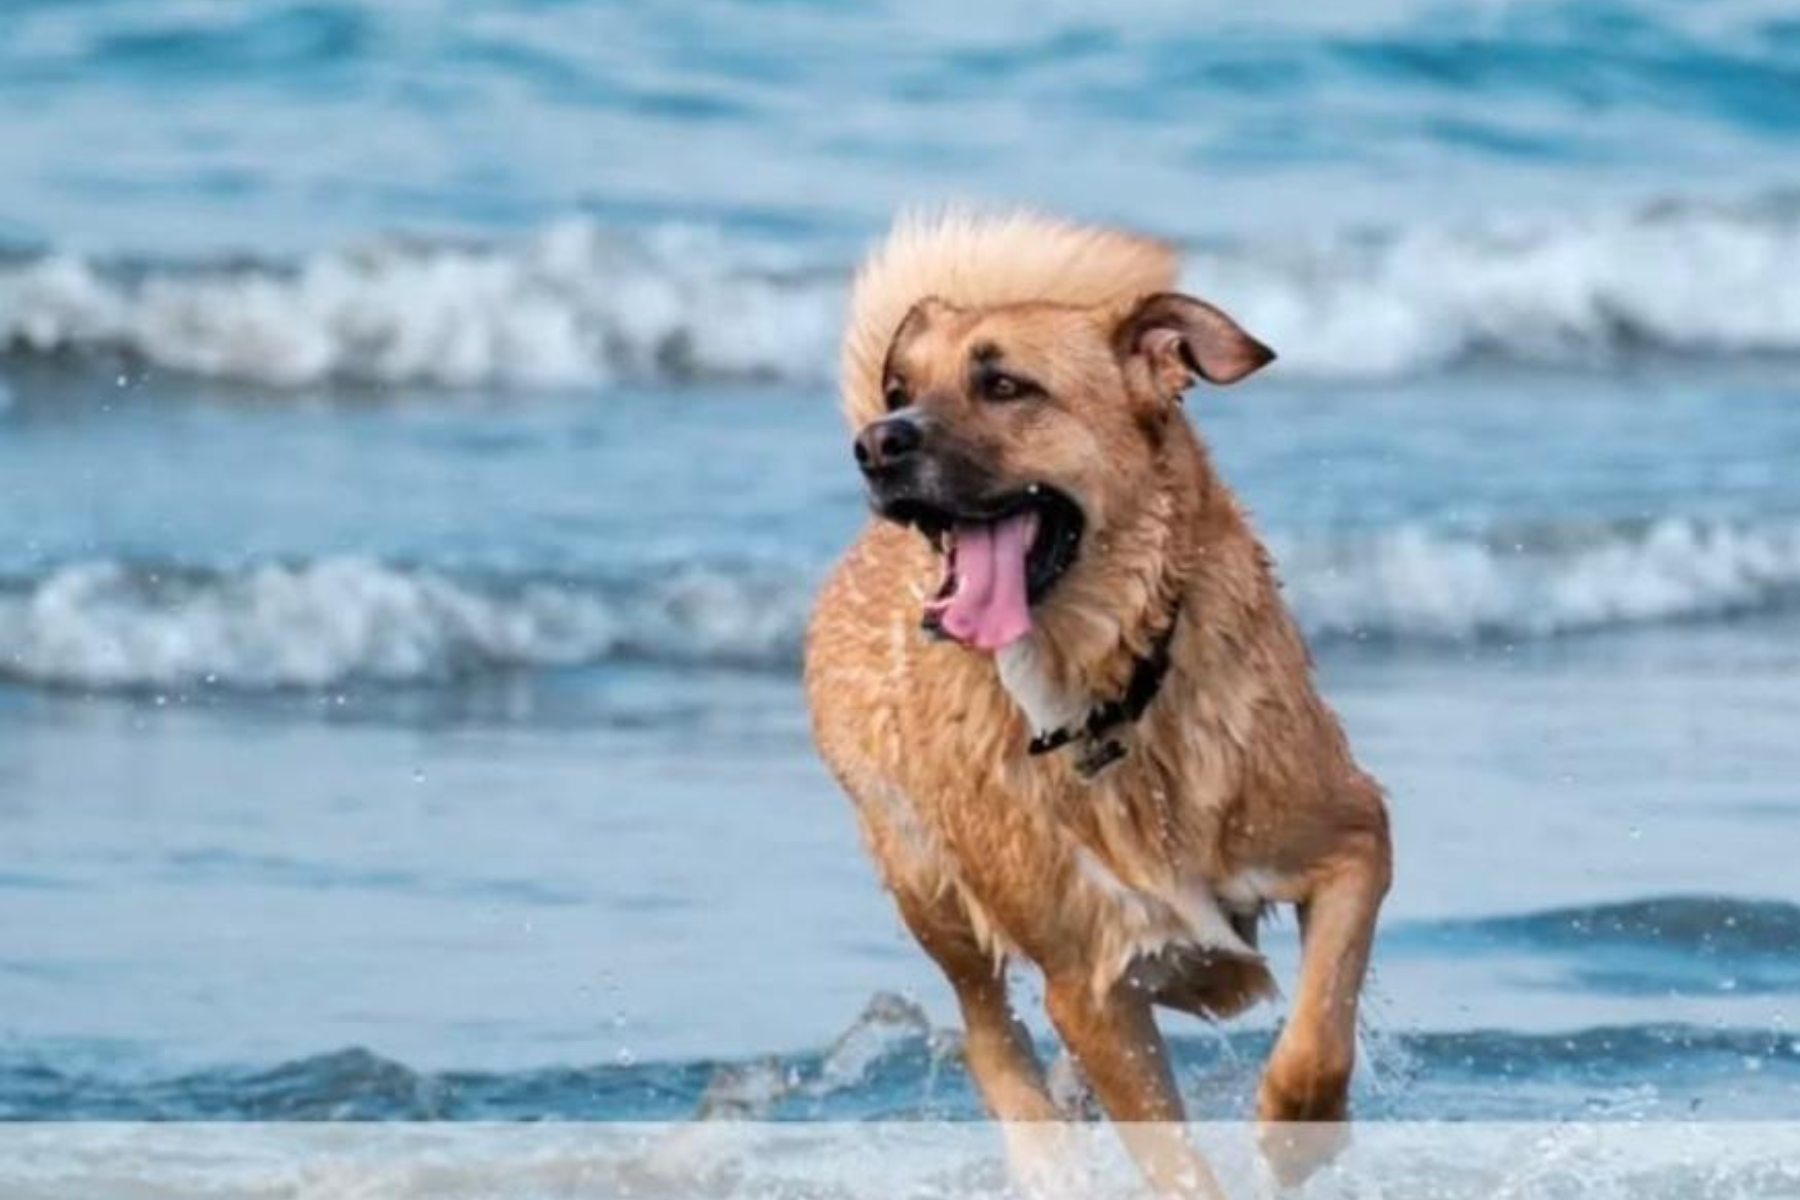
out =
column 1017, row 434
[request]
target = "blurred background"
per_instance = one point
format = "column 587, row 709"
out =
column 418, row 449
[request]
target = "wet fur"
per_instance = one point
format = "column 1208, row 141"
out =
column 1239, row 789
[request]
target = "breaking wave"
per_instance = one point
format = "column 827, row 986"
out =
column 334, row 621
column 1670, row 280
column 105, row 625
column 579, row 304
column 574, row 305
column 1413, row 584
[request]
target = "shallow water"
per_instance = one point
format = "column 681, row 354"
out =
column 283, row 796
column 952, row 1161
column 406, row 537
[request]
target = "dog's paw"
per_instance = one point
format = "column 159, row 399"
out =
column 1045, row 1161
column 1295, row 1151
column 1303, row 1084
column 1303, row 1117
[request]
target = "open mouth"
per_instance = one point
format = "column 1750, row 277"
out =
column 1000, row 558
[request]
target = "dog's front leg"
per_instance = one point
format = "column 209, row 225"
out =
column 998, row 1053
column 1308, row 1076
column 1121, row 1052
column 996, row 1045
column 997, row 1050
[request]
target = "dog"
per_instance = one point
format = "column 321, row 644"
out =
column 1056, row 677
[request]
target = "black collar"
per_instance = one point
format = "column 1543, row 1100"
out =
column 1097, row 750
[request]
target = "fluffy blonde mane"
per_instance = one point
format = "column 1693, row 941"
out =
column 985, row 259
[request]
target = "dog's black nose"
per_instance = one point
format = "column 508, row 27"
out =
column 885, row 443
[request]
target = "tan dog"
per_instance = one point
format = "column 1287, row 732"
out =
column 1057, row 677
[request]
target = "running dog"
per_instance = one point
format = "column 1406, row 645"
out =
column 1057, row 678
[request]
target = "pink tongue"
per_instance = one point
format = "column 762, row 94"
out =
column 988, row 608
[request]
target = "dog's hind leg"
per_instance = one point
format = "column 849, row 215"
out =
column 1114, row 1038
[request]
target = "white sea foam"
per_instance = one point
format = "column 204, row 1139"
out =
column 1603, row 1157
column 339, row 620
column 1411, row 584
column 1581, row 290
column 574, row 305
column 580, row 305
column 101, row 625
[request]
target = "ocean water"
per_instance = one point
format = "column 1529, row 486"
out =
column 418, row 450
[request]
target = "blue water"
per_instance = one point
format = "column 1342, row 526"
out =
column 418, row 451
column 289, row 123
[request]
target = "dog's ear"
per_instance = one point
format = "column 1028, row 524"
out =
column 1179, row 339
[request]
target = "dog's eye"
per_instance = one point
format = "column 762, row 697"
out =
column 895, row 396
column 1000, row 386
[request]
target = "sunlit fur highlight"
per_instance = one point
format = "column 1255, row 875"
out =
column 985, row 259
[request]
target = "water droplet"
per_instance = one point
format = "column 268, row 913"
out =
column 418, row 775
